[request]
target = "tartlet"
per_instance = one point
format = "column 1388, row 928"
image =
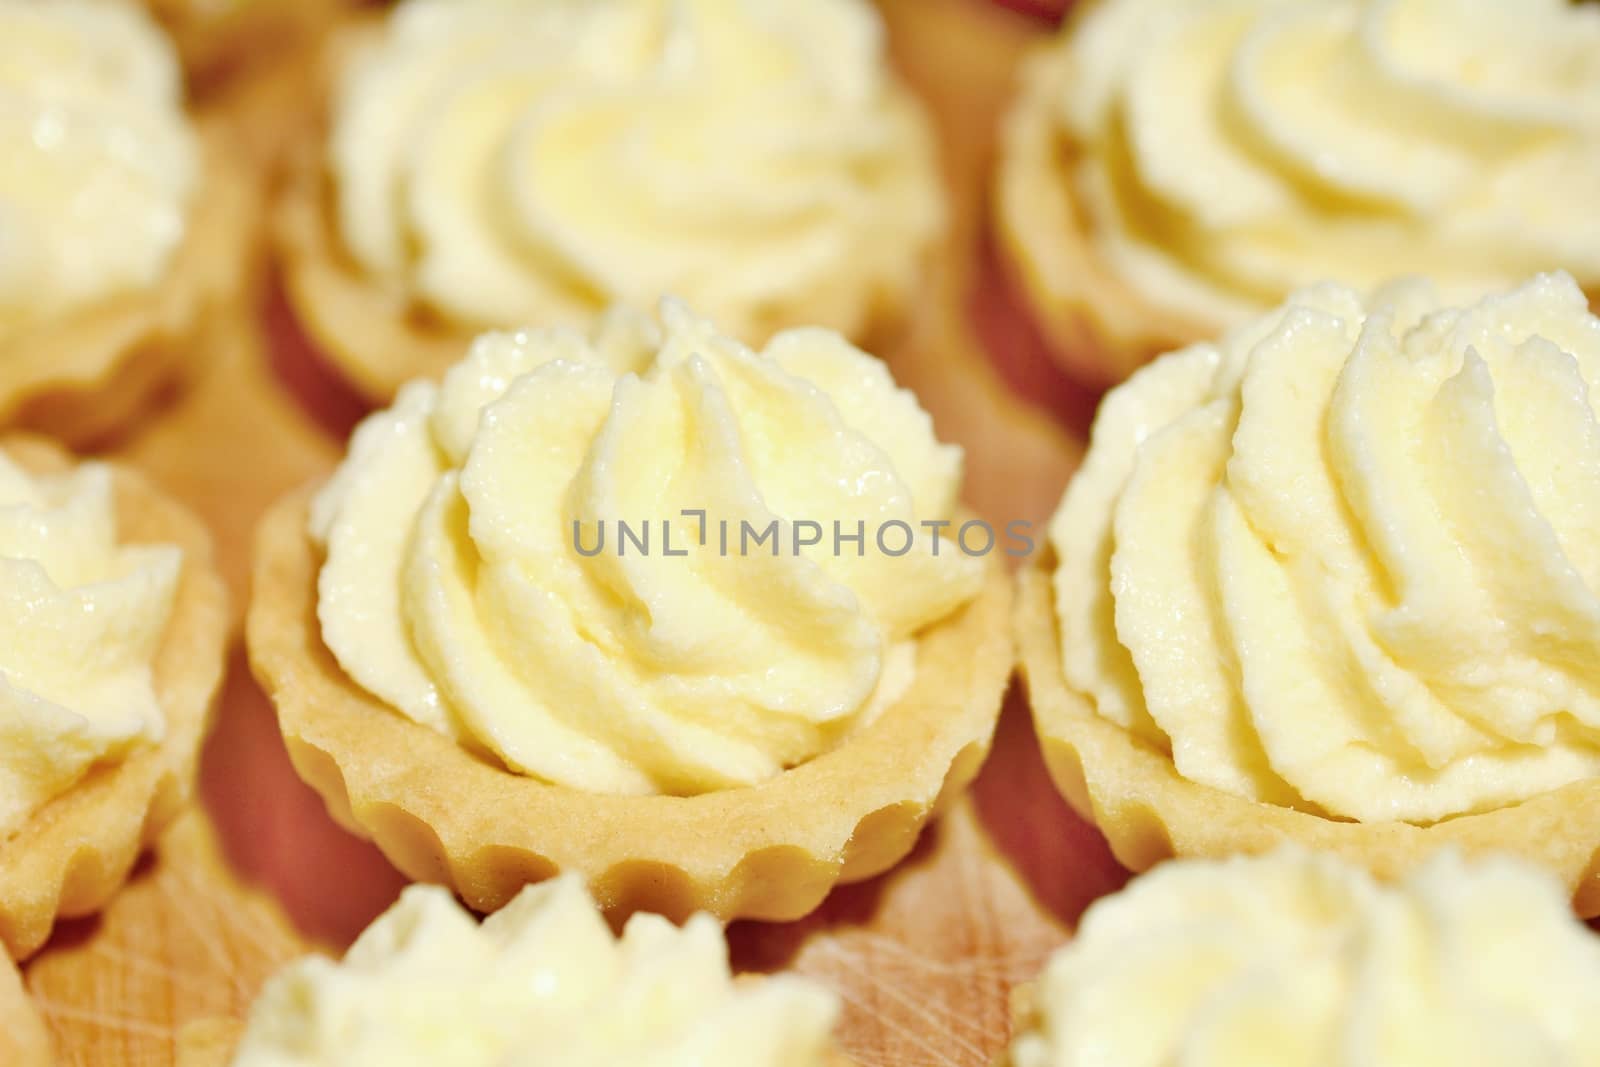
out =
column 1187, row 711
column 618, row 152
column 738, row 807
column 1169, row 170
column 1279, row 960
column 543, row 980
column 67, row 856
column 102, row 352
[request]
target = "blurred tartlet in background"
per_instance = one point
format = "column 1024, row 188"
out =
column 1170, row 169
column 482, row 165
column 127, row 221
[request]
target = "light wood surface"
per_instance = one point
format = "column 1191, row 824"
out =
column 925, row 957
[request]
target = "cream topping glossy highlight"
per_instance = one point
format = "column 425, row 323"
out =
column 462, row 584
column 1295, row 960
column 81, row 618
column 542, row 981
column 1345, row 559
column 1225, row 152
column 99, row 160
column 513, row 162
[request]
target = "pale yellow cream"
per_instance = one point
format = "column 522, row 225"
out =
column 81, row 617
column 1296, row 960
column 1346, row 559
column 506, row 162
column 97, row 159
column 463, row 585
column 541, row 982
column 1226, row 152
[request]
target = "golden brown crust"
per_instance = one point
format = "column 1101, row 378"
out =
column 85, row 375
column 73, row 853
column 24, row 1038
column 770, row 851
column 1148, row 812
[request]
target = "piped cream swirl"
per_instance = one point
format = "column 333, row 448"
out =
column 1296, row 960
column 541, row 981
column 81, row 617
column 1345, row 559
column 508, row 163
column 462, row 584
column 99, row 159
column 1226, row 152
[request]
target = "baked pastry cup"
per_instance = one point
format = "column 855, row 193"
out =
column 768, row 851
column 425, row 983
column 1148, row 812
column 838, row 233
column 67, row 857
column 1343, row 776
column 1170, row 171
column 766, row 778
column 24, row 1039
column 1271, row 959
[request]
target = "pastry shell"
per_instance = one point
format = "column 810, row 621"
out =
column 89, row 373
column 74, row 852
column 769, row 851
column 1148, row 812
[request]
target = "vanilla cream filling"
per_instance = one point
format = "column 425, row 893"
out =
column 81, row 618
column 462, row 584
column 542, row 981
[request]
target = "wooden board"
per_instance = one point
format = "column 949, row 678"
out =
column 925, row 956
